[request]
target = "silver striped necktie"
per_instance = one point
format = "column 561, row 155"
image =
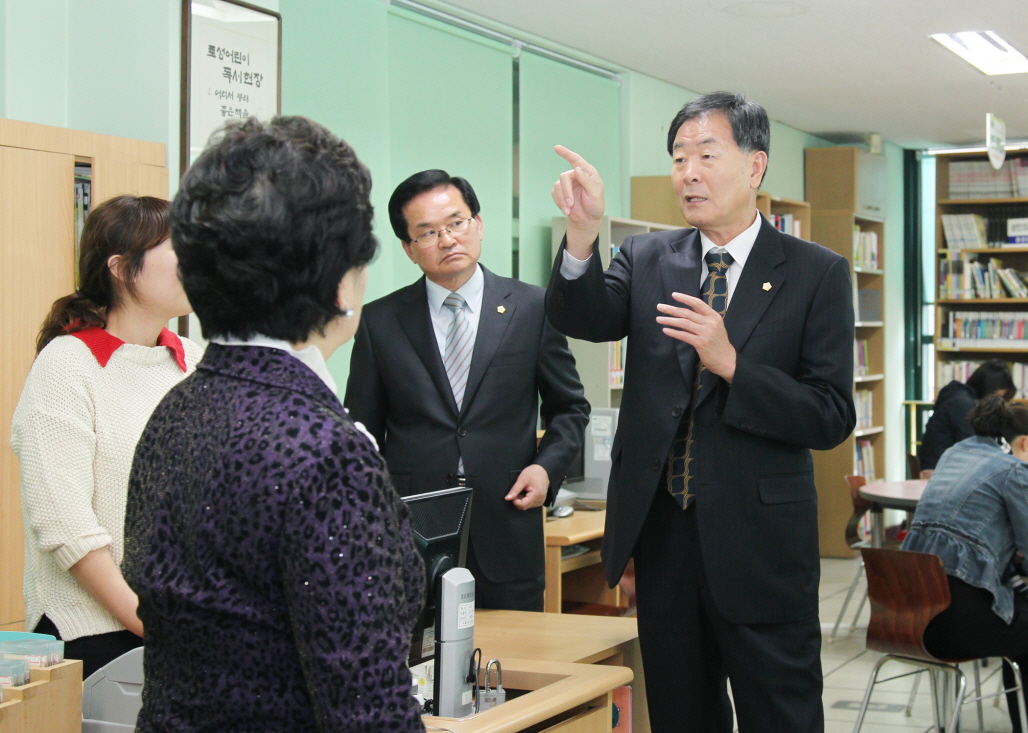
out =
column 457, row 353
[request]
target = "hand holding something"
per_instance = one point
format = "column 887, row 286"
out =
column 578, row 193
column 529, row 491
column 703, row 328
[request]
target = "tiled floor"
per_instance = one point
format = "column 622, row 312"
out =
column 847, row 668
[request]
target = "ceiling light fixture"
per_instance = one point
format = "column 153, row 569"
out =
column 1011, row 146
column 985, row 50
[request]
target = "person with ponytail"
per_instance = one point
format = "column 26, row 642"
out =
column 104, row 361
column 974, row 515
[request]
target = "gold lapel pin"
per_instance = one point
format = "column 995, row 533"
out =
column 500, row 309
column 766, row 286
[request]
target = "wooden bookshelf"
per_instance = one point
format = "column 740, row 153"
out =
column 845, row 186
column 37, row 266
column 594, row 360
column 956, row 359
column 653, row 200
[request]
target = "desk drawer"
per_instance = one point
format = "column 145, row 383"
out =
column 596, row 720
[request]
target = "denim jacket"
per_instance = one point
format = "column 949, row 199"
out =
column 974, row 515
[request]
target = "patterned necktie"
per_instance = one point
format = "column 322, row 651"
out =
column 457, row 353
column 714, row 291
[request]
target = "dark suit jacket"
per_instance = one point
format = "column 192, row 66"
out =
column 277, row 576
column 399, row 390
column 756, row 501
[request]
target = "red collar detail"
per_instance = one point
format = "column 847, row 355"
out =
column 173, row 342
column 103, row 344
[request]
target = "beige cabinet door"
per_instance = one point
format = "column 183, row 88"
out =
column 115, row 177
column 36, row 267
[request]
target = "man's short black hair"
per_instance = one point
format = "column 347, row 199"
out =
column 750, row 125
column 418, row 184
column 266, row 223
column 990, row 377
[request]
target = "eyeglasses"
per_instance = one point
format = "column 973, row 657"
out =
column 454, row 229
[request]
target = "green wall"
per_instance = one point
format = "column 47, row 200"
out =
column 577, row 109
column 407, row 93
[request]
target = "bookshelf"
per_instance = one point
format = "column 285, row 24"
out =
column 601, row 366
column 40, row 169
column 981, row 302
column 653, row 199
column 845, row 186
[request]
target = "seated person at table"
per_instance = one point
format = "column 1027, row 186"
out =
column 948, row 423
column 276, row 571
column 974, row 515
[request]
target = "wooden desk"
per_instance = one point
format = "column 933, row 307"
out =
column 576, row 651
column 564, row 698
column 578, row 578
column 890, row 495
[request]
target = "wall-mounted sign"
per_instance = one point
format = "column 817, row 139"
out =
column 231, row 68
column 995, row 140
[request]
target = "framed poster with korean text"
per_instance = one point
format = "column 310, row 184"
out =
column 231, row 68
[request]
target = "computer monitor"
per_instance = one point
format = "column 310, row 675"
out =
column 440, row 521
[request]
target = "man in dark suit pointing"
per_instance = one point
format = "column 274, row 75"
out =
column 448, row 374
column 740, row 360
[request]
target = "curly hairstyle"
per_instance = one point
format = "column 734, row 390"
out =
column 266, row 223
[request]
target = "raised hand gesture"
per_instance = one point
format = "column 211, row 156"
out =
column 578, row 193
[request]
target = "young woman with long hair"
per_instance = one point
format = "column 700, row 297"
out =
column 104, row 361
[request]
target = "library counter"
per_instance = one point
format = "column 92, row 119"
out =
column 569, row 662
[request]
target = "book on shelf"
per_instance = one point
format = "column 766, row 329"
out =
column 965, row 231
column 862, row 399
column 1017, row 232
column 864, row 459
column 83, row 191
column 787, row 223
column 860, row 358
column 984, row 329
column 961, row 371
column 865, row 249
column 869, row 304
column 991, row 227
column 970, row 276
column 616, row 367
column 977, row 179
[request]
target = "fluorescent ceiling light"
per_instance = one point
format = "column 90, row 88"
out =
column 1013, row 146
column 985, row 50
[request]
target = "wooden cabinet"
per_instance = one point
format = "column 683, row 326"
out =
column 37, row 246
column 974, row 320
column 844, row 187
column 601, row 366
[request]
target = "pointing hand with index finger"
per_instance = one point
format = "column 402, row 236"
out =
column 578, row 193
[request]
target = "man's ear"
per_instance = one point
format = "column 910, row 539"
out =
column 407, row 247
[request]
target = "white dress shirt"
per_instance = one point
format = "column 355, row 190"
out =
column 442, row 316
column 573, row 268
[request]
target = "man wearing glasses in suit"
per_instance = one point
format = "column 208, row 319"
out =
column 450, row 375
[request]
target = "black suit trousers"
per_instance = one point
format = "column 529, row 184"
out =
column 690, row 650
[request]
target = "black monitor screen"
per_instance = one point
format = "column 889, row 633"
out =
column 439, row 520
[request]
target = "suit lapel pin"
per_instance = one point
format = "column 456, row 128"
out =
column 766, row 286
column 500, row 309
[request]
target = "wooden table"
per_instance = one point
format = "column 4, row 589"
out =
column 578, row 578
column 890, row 495
column 528, row 644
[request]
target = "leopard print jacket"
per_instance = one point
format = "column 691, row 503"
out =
column 277, row 577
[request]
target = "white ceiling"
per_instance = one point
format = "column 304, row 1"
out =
column 839, row 68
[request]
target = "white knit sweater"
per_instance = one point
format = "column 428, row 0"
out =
column 75, row 432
